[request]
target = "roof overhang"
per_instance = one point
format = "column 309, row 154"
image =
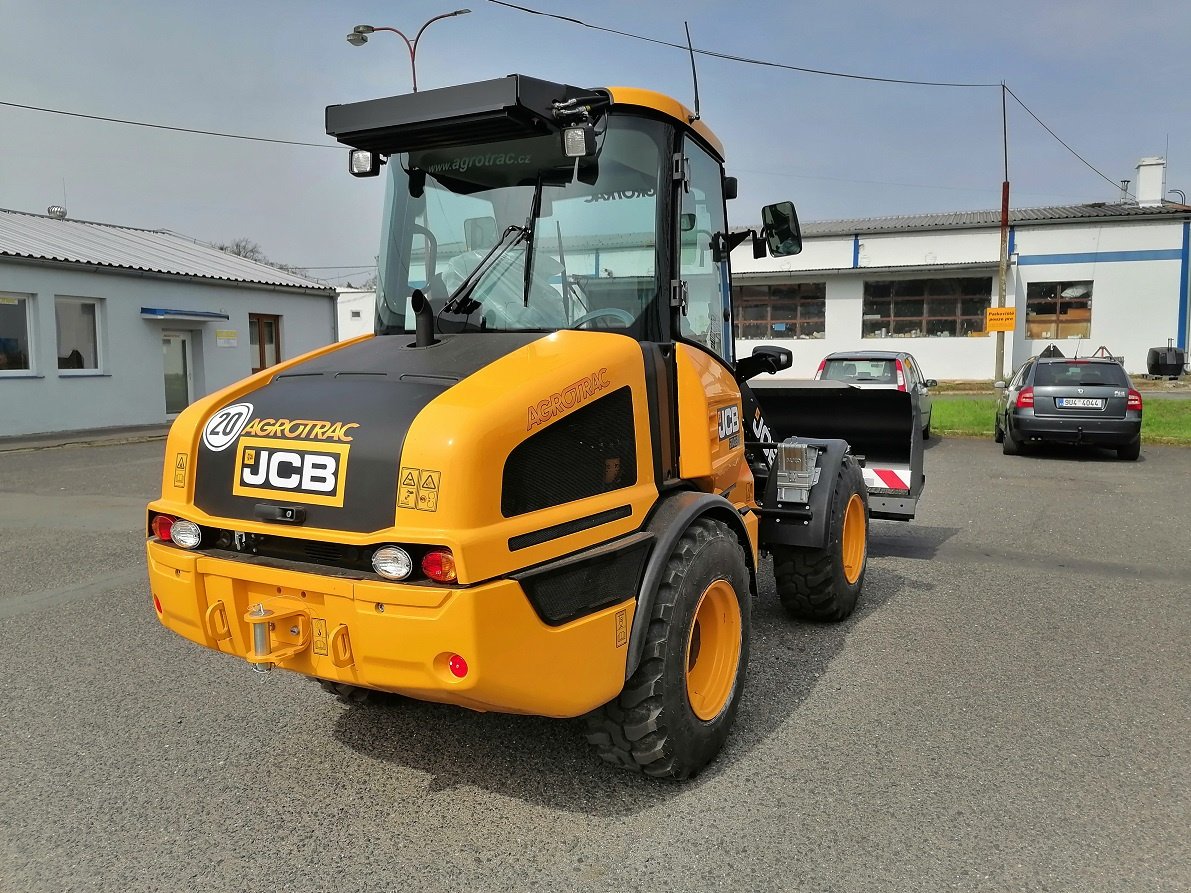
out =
column 162, row 313
column 973, row 266
column 513, row 107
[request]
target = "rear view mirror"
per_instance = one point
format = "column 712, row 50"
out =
column 932, row 383
column 999, row 385
column 765, row 358
column 780, row 228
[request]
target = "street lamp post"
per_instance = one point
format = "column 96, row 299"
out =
column 359, row 37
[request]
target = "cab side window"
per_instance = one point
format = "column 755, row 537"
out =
column 708, row 312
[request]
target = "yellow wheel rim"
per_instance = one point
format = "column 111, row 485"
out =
column 713, row 650
column 854, row 540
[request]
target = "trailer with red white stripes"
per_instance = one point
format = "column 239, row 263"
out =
column 879, row 425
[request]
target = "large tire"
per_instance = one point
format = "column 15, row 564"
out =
column 675, row 711
column 998, row 434
column 346, row 693
column 822, row 584
column 1131, row 451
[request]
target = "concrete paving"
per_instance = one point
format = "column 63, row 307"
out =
column 1007, row 710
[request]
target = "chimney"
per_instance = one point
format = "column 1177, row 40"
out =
column 1151, row 181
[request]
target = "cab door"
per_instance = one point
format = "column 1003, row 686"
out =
column 710, row 420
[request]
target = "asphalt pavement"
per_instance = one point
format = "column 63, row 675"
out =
column 1007, row 710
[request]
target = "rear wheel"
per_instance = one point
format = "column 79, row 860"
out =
column 676, row 709
column 1130, row 451
column 998, row 433
column 345, row 692
column 1010, row 445
column 823, row 584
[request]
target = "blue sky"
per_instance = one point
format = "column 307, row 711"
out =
column 1110, row 77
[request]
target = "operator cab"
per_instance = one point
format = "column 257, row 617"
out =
column 518, row 205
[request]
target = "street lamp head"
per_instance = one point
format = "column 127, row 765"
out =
column 363, row 29
column 460, row 12
column 357, row 39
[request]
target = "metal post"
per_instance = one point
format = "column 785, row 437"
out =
column 1004, row 266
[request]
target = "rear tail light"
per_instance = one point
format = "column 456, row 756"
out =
column 822, row 366
column 439, row 565
column 1134, row 400
column 901, row 375
column 162, row 524
column 1025, row 398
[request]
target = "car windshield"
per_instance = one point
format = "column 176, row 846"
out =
column 463, row 223
column 1080, row 374
column 864, row 371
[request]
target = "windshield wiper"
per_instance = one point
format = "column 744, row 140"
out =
column 494, row 253
column 534, row 210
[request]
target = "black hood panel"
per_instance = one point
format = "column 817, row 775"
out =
column 326, row 435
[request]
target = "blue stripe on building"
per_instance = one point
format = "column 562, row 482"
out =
column 1100, row 257
column 1184, row 272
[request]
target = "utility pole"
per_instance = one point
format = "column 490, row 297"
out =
column 1000, row 370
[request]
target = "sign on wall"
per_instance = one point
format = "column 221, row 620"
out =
column 226, row 337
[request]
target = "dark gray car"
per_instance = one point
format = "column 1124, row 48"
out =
column 1077, row 401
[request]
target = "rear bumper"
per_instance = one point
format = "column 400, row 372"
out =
column 398, row 637
column 1100, row 432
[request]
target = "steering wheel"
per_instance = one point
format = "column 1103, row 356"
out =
column 614, row 312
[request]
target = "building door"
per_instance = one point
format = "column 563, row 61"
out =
column 264, row 335
column 175, row 348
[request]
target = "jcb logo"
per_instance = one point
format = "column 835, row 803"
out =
column 306, row 471
column 729, row 422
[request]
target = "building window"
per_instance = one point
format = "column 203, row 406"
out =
column 264, row 333
column 926, row 308
column 788, row 310
column 14, row 333
column 1058, row 310
column 77, row 323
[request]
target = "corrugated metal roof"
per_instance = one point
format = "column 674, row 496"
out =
column 37, row 237
column 970, row 219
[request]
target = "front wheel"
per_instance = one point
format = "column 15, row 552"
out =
column 675, row 711
column 822, row 584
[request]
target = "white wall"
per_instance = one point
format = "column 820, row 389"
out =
column 1135, row 304
column 356, row 312
column 129, row 388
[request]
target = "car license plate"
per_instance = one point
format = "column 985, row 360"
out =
column 1080, row 403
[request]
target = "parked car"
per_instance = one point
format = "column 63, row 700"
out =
column 1053, row 399
column 882, row 369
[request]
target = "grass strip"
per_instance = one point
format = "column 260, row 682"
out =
column 1162, row 420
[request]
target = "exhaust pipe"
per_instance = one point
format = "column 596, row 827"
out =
column 424, row 320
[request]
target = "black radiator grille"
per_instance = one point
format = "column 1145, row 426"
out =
column 590, row 451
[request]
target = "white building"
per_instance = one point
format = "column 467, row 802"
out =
column 356, row 311
column 109, row 326
column 1086, row 275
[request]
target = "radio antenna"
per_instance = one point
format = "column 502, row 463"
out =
column 694, row 74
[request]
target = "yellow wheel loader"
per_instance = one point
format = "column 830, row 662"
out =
column 543, row 485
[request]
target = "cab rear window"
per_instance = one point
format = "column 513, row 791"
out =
column 879, row 371
column 1076, row 374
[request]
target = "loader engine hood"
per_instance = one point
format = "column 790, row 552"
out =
column 319, row 445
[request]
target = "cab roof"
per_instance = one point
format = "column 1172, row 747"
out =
column 668, row 106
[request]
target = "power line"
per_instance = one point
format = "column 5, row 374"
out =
column 1056, row 136
column 733, row 58
column 230, row 136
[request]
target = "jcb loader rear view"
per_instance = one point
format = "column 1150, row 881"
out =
column 543, row 485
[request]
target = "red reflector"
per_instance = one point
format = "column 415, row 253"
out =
column 157, row 603
column 1134, row 400
column 458, row 666
column 1025, row 398
column 901, row 376
column 162, row 524
column 822, row 366
column 439, row 565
